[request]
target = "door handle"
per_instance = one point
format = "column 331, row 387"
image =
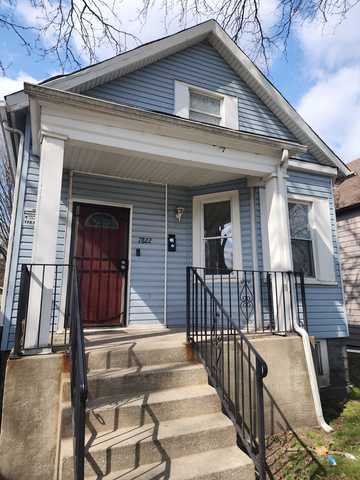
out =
column 123, row 265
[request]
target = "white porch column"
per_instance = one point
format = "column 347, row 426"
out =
column 45, row 239
column 276, row 219
column 279, row 258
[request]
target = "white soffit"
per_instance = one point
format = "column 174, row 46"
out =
column 96, row 161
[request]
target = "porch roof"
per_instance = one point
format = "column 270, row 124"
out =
column 107, row 138
column 40, row 95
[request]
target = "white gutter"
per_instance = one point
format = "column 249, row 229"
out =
column 312, row 376
column 12, row 222
column 9, row 149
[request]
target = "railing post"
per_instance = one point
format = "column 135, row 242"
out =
column 303, row 301
column 261, row 464
column 188, row 276
column 22, row 310
column 270, row 301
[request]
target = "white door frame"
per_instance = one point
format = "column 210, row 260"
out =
column 68, row 243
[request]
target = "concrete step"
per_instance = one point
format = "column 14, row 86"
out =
column 133, row 446
column 136, row 409
column 142, row 379
column 220, row 464
column 139, row 354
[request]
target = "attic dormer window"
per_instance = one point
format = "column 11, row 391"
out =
column 206, row 106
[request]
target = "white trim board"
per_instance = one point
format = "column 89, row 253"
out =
column 228, row 107
column 322, row 237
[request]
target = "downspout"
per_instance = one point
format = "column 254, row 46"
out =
column 312, row 376
column 307, row 346
column 20, row 157
column 166, row 255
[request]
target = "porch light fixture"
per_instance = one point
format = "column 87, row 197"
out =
column 179, row 213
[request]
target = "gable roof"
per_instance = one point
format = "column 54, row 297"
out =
column 347, row 193
column 120, row 65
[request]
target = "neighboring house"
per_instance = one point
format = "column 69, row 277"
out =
column 177, row 153
column 347, row 200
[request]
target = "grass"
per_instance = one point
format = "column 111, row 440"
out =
column 291, row 461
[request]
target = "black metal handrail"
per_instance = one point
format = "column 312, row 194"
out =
column 234, row 366
column 260, row 301
column 46, row 280
column 79, row 388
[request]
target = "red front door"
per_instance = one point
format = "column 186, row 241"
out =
column 101, row 253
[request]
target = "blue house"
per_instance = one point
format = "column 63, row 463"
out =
column 179, row 153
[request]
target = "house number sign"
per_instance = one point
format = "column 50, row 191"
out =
column 29, row 216
column 143, row 240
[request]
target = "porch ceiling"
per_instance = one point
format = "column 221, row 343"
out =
column 97, row 161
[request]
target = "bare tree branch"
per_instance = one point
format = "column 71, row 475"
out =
column 74, row 32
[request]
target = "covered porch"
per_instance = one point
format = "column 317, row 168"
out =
column 171, row 182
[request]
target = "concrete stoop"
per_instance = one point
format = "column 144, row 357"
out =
column 152, row 415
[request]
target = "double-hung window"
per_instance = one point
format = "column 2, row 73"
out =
column 301, row 238
column 216, row 231
column 217, row 239
column 206, row 106
column 312, row 238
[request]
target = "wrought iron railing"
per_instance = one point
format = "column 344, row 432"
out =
column 260, row 301
column 79, row 389
column 223, row 310
column 234, row 366
column 41, row 307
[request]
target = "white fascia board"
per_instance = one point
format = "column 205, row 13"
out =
column 162, row 123
column 116, row 134
column 35, row 125
column 134, row 59
column 16, row 101
column 269, row 94
column 311, row 167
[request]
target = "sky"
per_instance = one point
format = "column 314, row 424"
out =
column 320, row 75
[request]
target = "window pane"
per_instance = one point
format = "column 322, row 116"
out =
column 218, row 255
column 217, row 219
column 299, row 221
column 202, row 117
column 204, row 103
column 303, row 257
column 101, row 220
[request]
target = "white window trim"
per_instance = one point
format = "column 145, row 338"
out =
column 228, row 109
column 321, row 233
column 198, row 225
column 324, row 379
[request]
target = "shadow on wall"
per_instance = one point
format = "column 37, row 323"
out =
column 354, row 368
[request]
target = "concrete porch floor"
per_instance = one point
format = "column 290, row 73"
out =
column 145, row 335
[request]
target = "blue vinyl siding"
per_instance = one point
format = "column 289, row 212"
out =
column 147, row 282
column 152, row 88
column 27, row 234
column 325, row 304
column 177, row 261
